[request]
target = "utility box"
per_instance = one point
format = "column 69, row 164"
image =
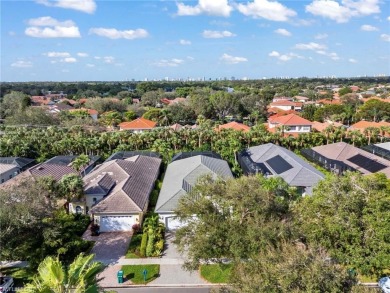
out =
column 120, row 277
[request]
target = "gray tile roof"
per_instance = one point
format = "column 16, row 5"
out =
column 302, row 174
column 17, row 161
column 183, row 174
column 133, row 179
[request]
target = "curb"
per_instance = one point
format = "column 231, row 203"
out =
column 166, row 285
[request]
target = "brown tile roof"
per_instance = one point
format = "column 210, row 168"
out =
column 290, row 119
column 176, row 126
column 134, row 180
column 235, row 125
column 286, row 103
column 361, row 125
column 329, row 102
column 342, row 151
column 139, row 123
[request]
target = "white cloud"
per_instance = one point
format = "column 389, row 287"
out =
column 310, row 46
column 385, row 37
column 56, row 32
column 69, row 60
column 284, row 57
column 48, row 27
column 185, row 42
column 88, row 6
column 113, row 33
column 232, row 60
column 22, row 64
column 352, row 60
column 321, row 36
column 57, row 54
column 283, row 32
column 345, row 11
column 368, row 28
column 169, row 63
column 49, row 21
column 209, row 7
column 271, row 10
column 82, row 54
column 108, row 59
column 388, row 18
column 217, row 34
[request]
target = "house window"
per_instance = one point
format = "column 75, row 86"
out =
column 94, row 200
column 10, row 176
column 79, row 210
column 2, row 180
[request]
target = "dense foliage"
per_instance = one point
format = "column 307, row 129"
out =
column 277, row 242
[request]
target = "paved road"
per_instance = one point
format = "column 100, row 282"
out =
column 161, row 290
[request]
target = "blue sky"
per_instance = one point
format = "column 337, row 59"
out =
column 82, row 40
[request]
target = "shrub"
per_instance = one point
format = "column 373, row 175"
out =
column 150, row 246
column 94, row 229
column 144, row 242
column 159, row 245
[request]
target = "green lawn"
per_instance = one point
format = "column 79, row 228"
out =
column 134, row 246
column 216, row 273
column 135, row 273
column 21, row 276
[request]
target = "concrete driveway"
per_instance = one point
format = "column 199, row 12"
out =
column 109, row 246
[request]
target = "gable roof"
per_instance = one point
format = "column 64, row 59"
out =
column 181, row 176
column 352, row 156
column 126, row 184
column 60, row 166
column 364, row 124
column 139, row 123
column 17, row 161
column 290, row 119
column 321, row 126
column 278, row 161
column 286, row 103
column 235, row 125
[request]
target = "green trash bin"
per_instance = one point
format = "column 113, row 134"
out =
column 120, row 277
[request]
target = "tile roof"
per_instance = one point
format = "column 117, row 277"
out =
column 364, row 124
column 290, row 119
column 127, row 184
column 342, row 151
column 90, row 111
column 321, row 126
column 7, row 167
column 59, row 166
column 139, row 123
column 236, row 126
column 301, row 173
column 182, row 175
column 285, row 103
column 176, row 126
column 17, row 161
column 329, row 102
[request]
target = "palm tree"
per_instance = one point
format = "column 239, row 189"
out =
column 80, row 162
column 79, row 277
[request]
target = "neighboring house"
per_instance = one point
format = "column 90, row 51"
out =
column 234, row 125
column 290, row 124
column 321, row 126
column 328, row 102
column 181, row 176
column 59, row 107
column 117, row 192
column 363, row 125
column 174, row 101
column 176, row 127
column 357, row 159
column 60, row 166
column 273, row 160
column 276, row 99
column 301, row 99
column 12, row 166
column 138, row 125
column 286, row 105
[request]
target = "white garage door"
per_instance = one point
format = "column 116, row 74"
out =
column 172, row 223
column 116, row 223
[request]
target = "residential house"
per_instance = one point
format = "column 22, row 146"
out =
column 138, row 125
column 272, row 160
column 301, row 99
column 92, row 113
column 235, row 126
column 59, row 107
column 117, row 192
column 12, row 166
column 289, row 124
column 276, row 99
column 176, row 127
column 357, row 159
column 363, row 125
column 181, row 176
column 321, row 126
column 286, row 105
column 60, row 166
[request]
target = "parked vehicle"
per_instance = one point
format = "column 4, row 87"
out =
column 6, row 284
column 384, row 284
